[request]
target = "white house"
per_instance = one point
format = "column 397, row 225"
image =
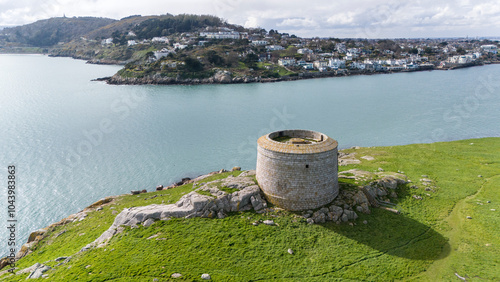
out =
column 411, row 66
column 259, row 42
column 285, row 62
column 305, row 51
column 275, row 47
column 227, row 34
column 107, row 41
column 162, row 53
column 490, row 48
column 179, row 46
column 320, row 64
column 162, row 39
column 336, row 63
column 357, row 65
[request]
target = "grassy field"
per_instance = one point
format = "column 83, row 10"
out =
column 431, row 240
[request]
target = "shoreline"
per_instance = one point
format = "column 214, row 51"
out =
column 224, row 77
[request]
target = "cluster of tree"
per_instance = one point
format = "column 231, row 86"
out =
column 170, row 24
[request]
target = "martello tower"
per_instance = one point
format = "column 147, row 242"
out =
column 297, row 169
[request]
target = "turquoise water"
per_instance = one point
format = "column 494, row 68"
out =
column 75, row 141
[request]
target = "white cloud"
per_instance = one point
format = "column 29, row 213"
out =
column 251, row 22
column 364, row 18
column 296, row 22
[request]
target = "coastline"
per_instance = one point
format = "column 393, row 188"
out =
column 225, row 77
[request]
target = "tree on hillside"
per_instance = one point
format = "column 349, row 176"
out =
column 214, row 58
column 192, row 64
column 251, row 60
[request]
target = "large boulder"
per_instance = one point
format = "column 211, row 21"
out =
column 38, row 271
column 222, row 77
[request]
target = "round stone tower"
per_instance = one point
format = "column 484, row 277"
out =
column 297, row 169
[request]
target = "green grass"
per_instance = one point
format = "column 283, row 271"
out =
column 430, row 240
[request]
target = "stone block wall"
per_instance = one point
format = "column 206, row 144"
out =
column 298, row 176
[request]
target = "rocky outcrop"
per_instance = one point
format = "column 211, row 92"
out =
column 206, row 201
column 35, row 271
column 352, row 201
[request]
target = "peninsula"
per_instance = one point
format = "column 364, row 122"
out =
column 203, row 49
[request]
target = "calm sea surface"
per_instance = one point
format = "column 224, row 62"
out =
column 74, row 141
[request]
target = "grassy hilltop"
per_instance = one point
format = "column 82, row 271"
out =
column 431, row 240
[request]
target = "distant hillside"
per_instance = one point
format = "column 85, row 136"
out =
column 152, row 26
column 168, row 24
column 49, row 32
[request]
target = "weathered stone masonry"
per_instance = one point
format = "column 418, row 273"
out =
column 298, row 175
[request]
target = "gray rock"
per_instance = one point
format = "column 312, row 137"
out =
column 176, row 275
column 381, row 192
column 268, row 222
column 60, row 258
column 469, row 217
column 417, row 197
column 380, row 169
column 135, row 192
column 242, row 198
column 39, row 271
column 319, row 217
column 148, row 222
column 237, row 182
column 247, row 173
column 310, row 221
column 365, row 208
column 290, row 251
column 360, row 198
column 28, row 269
column 388, row 182
column 221, row 215
column 206, row 276
column 257, row 202
column 351, row 215
column 344, row 217
column 359, row 208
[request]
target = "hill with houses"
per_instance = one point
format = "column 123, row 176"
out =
column 169, row 49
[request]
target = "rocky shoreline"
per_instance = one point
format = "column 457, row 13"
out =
column 226, row 77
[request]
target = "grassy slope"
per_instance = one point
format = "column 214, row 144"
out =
column 429, row 241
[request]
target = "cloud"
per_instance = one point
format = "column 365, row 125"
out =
column 298, row 23
column 252, row 22
column 355, row 18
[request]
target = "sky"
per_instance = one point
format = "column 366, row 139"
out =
column 323, row 18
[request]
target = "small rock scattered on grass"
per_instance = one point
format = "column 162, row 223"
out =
column 176, row 275
column 290, row 251
column 469, row 217
column 206, row 276
column 268, row 222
